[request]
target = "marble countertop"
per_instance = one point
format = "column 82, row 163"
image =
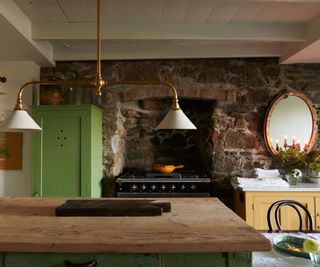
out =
column 300, row 187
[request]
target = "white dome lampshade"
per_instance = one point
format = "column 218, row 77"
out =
column 19, row 121
column 176, row 119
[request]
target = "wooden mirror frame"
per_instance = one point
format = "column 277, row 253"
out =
column 266, row 126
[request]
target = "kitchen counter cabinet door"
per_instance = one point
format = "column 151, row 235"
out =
column 253, row 208
column 317, row 213
column 288, row 216
column 67, row 154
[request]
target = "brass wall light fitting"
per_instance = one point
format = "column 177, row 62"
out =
column 19, row 119
column 2, row 80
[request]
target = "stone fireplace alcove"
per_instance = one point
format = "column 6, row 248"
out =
column 143, row 145
column 228, row 98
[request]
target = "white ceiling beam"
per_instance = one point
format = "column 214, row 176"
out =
column 16, row 28
column 144, row 51
column 301, row 53
column 174, row 31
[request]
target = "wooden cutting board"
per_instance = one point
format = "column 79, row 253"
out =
column 104, row 207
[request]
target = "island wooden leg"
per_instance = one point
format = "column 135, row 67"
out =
column 240, row 259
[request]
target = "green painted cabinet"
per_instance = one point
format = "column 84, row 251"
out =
column 67, row 153
column 58, row 260
column 128, row 260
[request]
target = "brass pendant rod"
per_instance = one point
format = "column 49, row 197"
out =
column 100, row 82
column 98, row 42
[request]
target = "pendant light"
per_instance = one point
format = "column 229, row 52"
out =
column 20, row 120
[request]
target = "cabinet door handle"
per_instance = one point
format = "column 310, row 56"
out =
column 92, row 263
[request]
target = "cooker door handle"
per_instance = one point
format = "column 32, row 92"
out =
column 92, row 263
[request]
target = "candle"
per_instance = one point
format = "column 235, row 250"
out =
column 277, row 144
column 305, row 145
column 285, row 141
column 293, row 141
column 298, row 144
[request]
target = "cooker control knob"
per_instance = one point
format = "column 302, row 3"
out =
column 134, row 187
column 143, row 187
column 193, row 187
column 183, row 187
column 173, row 187
column 153, row 187
column 163, row 187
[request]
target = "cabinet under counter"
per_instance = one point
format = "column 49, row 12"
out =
column 252, row 204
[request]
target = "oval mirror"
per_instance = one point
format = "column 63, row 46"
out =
column 290, row 122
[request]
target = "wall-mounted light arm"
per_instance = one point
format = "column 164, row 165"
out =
column 2, row 80
column 19, row 120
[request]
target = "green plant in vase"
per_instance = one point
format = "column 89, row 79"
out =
column 290, row 159
column 290, row 156
column 293, row 158
column 312, row 161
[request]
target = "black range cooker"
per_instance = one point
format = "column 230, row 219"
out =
column 151, row 184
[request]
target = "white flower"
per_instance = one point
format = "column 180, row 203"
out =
column 296, row 173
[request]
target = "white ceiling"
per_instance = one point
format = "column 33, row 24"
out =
column 46, row 31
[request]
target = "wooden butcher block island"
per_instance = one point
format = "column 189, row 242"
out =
column 196, row 232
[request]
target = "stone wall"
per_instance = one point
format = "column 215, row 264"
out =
column 234, row 92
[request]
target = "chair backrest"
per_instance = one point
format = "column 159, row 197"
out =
column 291, row 203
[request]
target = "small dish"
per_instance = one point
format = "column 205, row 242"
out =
column 315, row 180
column 291, row 245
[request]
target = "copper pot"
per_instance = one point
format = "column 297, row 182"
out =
column 166, row 168
column 50, row 95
